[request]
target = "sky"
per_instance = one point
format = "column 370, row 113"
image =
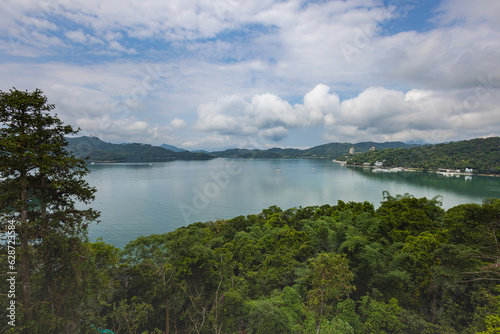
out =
column 214, row 74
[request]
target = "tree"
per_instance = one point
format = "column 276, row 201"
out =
column 330, row 280
column 41, row 183
column 405, row 215
column 153, row 251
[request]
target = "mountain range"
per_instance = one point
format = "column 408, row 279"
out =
column 97, row 150
column 94, row 149
column 330, row 151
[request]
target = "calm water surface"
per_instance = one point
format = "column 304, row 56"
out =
column 141, row 198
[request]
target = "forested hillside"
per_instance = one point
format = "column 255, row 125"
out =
column 406, row 267
column 98, row 150
column 482, row 155
column 331, row 150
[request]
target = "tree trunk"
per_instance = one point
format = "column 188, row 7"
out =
column 25, row 261
column 167, row 325
column 47, row 253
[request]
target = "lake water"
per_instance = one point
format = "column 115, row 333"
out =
column 145, row 198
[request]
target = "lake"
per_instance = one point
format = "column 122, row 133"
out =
column 144, row 198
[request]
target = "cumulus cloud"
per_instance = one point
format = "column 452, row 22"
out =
column 377, row 113
column 107, row 128
column 382, row 114
column 178, row 123
column 266, row 115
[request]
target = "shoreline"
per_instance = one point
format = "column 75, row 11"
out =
column 411, row 169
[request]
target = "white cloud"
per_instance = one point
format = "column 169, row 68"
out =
column 267, row 115
column 377, row 113
column 107, row 128
column 76, row 36
column 477, row 12
column 178, row 123
column 116, row 46
column 254, row 60
column 274, row 134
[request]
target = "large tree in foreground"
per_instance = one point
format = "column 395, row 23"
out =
column 41, row 183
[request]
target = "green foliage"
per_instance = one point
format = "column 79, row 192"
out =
column 330, row 279
column 389, row 317
column 492, row 325
column 332, row 150
column 482, row 155
column 286, row 271
column 95, row 149
column 129, row 317
column 40, row 186
column 264, row 317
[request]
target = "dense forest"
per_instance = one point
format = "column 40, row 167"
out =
column 97, row 150
column 405, row 267
column 329, row 151
column 482, row 155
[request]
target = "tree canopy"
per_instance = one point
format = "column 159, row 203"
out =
column 40, row 186
column 406, row 267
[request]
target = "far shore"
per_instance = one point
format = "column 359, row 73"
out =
column 409, row 169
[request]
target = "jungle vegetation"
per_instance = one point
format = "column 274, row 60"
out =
column 406, row 267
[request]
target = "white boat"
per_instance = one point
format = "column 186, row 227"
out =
column 385, row 170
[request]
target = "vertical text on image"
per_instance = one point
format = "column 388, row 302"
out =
column 11, row 273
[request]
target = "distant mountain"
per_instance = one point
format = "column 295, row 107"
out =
column 97, row 150
column 172, row 148
column 332, row 150
column 481, row 154
column 244, row 153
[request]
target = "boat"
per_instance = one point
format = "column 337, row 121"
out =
column 385, row 170
column 448, row 172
